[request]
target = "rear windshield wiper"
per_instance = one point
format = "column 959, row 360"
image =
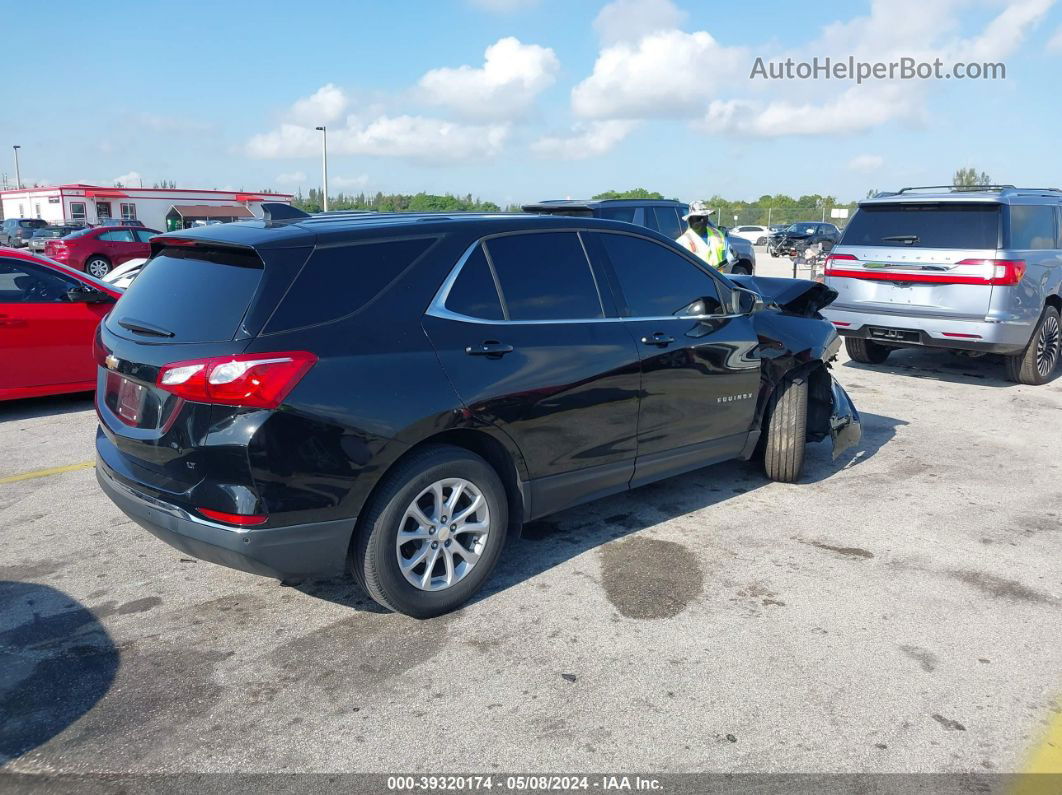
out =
column 140, row 327
column 903, row 238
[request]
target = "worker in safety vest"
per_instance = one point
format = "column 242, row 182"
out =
column 702, row 237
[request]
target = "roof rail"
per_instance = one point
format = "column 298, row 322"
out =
column 1037, row 191
column 278, row 211
column 957, row 188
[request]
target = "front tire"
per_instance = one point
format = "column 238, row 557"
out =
column 787, row 431
column 866, row 351
column 1038, row 361
column 97, row 266
column 433, row 532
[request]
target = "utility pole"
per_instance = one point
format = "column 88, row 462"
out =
column 324, row 165
column 18, row 171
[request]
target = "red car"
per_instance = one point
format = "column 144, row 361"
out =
column 98, row 249
column 48, row 318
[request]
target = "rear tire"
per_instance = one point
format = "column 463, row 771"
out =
column 377, row 551
column 866, row 351
column 1035, row 365
column 97, row 266
column 787, row 430
column 742, row 268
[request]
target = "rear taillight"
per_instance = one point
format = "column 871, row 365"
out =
column 831, row 258
column 1000, row 272
column 255, row 380
column 239, row 519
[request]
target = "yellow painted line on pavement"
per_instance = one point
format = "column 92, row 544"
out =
column 43, row 473
column 1047, row 757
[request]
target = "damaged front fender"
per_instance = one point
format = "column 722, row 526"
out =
column 845, row 427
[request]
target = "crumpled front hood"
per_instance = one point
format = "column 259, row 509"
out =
column 798, row 296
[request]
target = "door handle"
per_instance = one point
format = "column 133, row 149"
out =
column 491, row 348
column 658, row 339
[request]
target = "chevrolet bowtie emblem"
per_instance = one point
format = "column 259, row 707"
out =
column 111, row 361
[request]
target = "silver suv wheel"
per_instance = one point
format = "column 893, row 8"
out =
column 1047, row 346
column 442, row 534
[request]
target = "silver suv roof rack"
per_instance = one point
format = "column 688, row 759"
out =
column 957, row 188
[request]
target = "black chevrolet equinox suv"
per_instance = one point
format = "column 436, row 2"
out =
column 394, row 394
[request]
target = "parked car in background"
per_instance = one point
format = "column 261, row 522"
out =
column 255, row 405
column 43, row 234
column 119, row 222
column 123, row 275
column 800, row 235
column 757, row 235
column 100, row 248
column 16, row 232
column 973, row 271
column 661, row 215
column 48, row 319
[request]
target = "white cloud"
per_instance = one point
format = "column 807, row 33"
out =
column 667, row 73
column 359, row 181
column 291, row 178
column 512, row 75
column 630, row 20
column 866, row 163
column 1054, row 44
column 130, row 180
column 586, row 140
column 325, row 105
column 858, row 109
column 419, row 138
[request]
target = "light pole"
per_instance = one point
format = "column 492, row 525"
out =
column 324, row 164
column 18, row 172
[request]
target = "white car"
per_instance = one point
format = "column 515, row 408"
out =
column 123, row 275
column 757, row 235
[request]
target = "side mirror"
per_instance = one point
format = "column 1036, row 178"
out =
column 746, row 302
column 86, row 295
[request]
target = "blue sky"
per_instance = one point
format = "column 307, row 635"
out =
column 517, row 100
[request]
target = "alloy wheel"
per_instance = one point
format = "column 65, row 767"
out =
column 1047, row 346
column 98, row 268
column 442, row 534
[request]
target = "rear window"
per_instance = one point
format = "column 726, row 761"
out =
column 1032, row 227
column 618, row 213
column 37, row 224
column 198, row 294
column 951, row 225
column 340, row 280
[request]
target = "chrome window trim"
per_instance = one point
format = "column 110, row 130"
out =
column 437, row 307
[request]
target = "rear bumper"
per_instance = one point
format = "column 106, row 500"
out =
column 316, row 549
column 931, row 332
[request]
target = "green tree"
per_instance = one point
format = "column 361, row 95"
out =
column 633, row 193
column 969, row 178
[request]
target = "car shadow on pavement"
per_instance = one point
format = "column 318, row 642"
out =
column 988, row 370
column 56, row 662
column 553, row 540
column 54, row 406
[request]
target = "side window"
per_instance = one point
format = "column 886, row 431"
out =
column 474, row 294
column 618, row 213
column 117, row 236
column 339, row 280
column 77, row 211
column 24, row 283
column 667, row 221
column 1032, row 227
column 144, row 235
column 657, row 282
column 545, row 276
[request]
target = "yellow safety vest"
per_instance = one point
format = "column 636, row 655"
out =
column 712, row 250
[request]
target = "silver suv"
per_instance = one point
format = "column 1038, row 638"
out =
column 975, row 271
